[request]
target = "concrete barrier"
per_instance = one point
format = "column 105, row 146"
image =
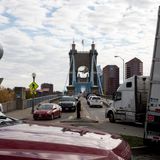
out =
column 9, row 106
column 27, row 103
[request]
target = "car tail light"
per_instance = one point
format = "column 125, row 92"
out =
column 150, row 118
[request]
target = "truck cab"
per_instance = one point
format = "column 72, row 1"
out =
column 129, row 101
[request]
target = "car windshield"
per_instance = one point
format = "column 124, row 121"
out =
column 96, row 98
column 45, row 107
column 67, row 99
column 7, row 121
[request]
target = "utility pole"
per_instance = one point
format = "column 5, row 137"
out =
column 123, row 66
column 33, row 92
column 1, row 55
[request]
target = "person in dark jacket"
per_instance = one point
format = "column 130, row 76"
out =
column 78, row 109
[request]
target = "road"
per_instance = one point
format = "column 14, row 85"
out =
column 98, row 114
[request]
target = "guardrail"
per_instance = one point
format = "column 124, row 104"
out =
column 11, row 105
column 28, row 103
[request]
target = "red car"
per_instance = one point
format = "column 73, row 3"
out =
column 47, row 111
column 22, row 141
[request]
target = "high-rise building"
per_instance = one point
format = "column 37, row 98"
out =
column 133, row 67
column 110, row 79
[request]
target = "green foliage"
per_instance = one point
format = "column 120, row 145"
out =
column 6, row 94
column 133, row 141
column 28, row 94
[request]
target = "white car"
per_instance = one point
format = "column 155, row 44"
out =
column 95, row 101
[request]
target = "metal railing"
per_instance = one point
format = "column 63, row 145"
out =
column 11, row 106
column 28, row 103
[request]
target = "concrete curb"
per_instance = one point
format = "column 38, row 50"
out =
column 81, row 120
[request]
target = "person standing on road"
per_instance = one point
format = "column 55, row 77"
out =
column 78, row 109
column 1, row 108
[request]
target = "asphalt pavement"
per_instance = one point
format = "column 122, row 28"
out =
column 118, row 128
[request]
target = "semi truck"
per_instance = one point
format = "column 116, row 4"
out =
column 129, row 101
column 152, row 123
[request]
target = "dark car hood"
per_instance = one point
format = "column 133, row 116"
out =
column 66, row 102
column 58, row 142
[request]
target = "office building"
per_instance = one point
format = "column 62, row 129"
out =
column 110, row 79
column 133, row 67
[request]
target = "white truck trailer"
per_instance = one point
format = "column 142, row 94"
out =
column 152, row 124
column 129, row 101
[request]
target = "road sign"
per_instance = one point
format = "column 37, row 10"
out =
column 33, row 86
column 33, row 92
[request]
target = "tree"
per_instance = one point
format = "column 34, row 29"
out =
column 6, row 94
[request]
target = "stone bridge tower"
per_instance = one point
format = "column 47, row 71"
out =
column 83, row 71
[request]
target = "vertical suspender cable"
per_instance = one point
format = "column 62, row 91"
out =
column 67, row 75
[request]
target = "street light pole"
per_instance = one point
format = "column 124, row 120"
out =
column 1, row 51
column 33, row 76
column 123, row 66
column 1, row 54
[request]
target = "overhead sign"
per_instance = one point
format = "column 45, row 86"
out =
column 33, row 86
column 33, row 92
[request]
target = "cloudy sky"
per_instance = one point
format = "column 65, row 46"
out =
column 36, row 36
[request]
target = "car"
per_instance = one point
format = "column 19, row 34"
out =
column 23, row 141
column 47, row 111
column 68, row 103
column 95, row 101
column 88, row 97
column 89, row 94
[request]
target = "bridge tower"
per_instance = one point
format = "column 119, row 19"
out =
column 83, row 70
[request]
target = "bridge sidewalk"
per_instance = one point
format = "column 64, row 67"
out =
column 21, row 114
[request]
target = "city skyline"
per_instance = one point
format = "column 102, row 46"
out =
column 37, row 35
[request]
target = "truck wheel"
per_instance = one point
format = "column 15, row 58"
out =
column 146, row 142
column 111, row 118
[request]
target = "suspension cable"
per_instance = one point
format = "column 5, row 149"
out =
column 67, row 75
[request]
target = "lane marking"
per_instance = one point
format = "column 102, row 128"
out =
column 70, row 117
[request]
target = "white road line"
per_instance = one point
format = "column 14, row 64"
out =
column 70, row 117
